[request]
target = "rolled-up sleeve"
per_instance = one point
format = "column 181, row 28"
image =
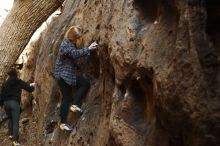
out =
column 68, row 49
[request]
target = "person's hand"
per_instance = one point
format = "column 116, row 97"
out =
column 93, row 46
column 32, row 84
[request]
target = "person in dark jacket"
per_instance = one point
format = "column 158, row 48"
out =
column 11, row 98
column 67, row 74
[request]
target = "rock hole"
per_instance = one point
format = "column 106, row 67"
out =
column 148, row 9
column 50, row 142
column 112, row 142
column 85, row 1
column 98, row 27
column 137, row 105
column 79, row 141
column 91, row 134
column 50, row 127
column 213, row 23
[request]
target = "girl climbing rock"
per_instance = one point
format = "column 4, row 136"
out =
column 67, row 74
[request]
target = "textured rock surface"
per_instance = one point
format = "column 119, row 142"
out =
column 155, row 78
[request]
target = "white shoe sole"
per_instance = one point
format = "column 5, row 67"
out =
column 63, row 129
column 76, row 109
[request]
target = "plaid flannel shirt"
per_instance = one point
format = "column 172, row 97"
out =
column 66, row 66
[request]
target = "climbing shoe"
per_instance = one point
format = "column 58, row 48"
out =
column 10, row 137
column 15, row 143
column 75, row 108
column 65, row 127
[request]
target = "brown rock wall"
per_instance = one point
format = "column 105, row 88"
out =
column 154, row 78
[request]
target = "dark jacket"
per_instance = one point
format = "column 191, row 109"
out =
column 11, row 89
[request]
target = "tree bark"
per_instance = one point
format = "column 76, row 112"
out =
column 20, row 24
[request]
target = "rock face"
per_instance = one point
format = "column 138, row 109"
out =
column 154, row 79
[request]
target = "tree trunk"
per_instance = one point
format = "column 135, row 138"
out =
column 20, row 24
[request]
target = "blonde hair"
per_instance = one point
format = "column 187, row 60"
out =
column 73, row 33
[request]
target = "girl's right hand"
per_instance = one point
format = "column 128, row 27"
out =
column 93, row 46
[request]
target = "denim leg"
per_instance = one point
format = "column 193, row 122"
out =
column 83, row 86
column 8, row 112
column 15, row 121
column 66, row 91
column 13, row 109
column 10, row 128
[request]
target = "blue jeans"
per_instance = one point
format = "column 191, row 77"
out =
column 82, row 85
column 12, row 109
